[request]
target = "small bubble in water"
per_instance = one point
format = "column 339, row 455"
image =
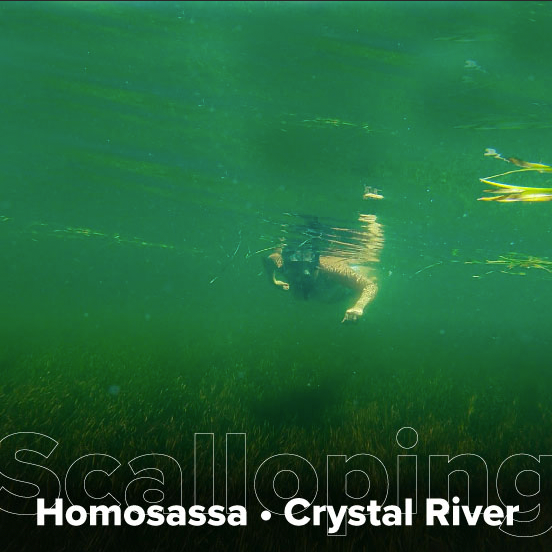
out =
column 114, row 390
column 441, row 332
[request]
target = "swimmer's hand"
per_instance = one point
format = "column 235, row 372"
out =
column 352, row 315
column 281, row 285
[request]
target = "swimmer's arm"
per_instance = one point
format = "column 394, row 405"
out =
column 366, row 297
column 271, row 263
column 340, row 271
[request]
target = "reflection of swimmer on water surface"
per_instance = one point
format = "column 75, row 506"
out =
column 304, row 268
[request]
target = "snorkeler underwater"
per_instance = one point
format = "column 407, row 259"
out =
column 311, row 256
column 256, row 292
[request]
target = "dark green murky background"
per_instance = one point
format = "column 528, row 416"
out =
column 142, row 142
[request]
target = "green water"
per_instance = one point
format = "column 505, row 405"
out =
column 150, row 150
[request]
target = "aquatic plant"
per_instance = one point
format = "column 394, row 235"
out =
column 506, row 193
column 295, row 407
column 516, row 263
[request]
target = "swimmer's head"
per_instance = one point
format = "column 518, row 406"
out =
column 301, row 267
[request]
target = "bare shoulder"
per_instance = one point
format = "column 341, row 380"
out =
column 345, row 268
column 329, row 261
column 276, row 259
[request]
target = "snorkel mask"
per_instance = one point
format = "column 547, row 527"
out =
column 301, row 266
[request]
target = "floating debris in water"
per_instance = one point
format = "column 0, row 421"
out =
column 505, row 125
column 428, row 267
column 43, row 228
column 117, row 238
column 371, row 193
column 324, row 121
column 507, row 193
column 516, row 263
column 472, row 64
